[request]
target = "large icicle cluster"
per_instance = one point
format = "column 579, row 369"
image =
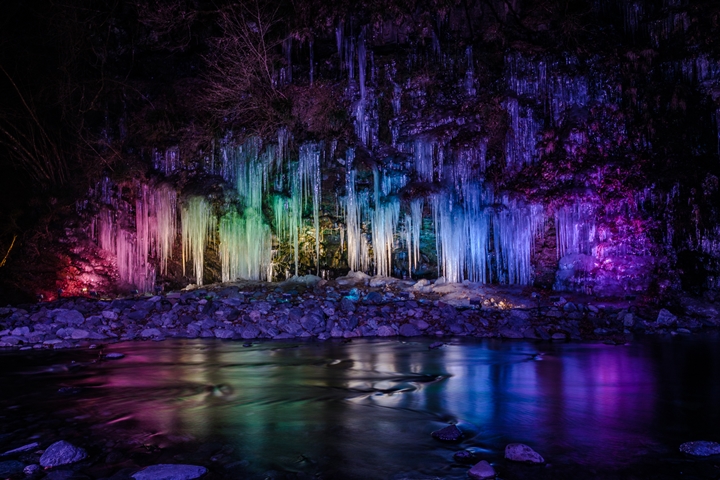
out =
column 152, row 236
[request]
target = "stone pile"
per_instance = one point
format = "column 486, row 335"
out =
column 338, row 309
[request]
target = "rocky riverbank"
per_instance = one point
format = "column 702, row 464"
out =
column 353, row 306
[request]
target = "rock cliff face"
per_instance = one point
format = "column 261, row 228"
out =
column 566, row 145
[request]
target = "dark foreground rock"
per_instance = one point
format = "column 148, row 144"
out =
column 451, row 433
column 481, row 471
column 518, row 452
column 701, row 448
column 62, row 453
column 170, row 472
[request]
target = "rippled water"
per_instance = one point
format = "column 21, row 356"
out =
column 366, row 409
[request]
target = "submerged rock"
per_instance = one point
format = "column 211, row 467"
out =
column 170, row 472
column 11, row 467
column 481, row 470
column 451, row 433
column 518, row 452
column 701, row 448
column 62, row 453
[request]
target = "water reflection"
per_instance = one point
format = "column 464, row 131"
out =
column 366, row 409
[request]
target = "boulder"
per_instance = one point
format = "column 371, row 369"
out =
column 409, row 330
column 518, row 452
column 170, row 472
column 69, row 317
column 385, row 331
column 481, row 470
column 62, row 453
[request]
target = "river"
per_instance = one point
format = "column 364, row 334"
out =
column 366, row 409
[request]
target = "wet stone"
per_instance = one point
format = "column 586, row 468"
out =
column 451, row 433
column 11, row 467
column 701, row 448
column 62, row 453
column 519, row 452
column 481, row 471
column 409, row 330
column 170, row 472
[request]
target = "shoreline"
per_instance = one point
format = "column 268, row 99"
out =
column 348, row 307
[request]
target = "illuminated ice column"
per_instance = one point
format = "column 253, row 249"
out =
column 413, row 225
column 385, row 220
column 515, row 227
column 451, row 237
column 245, row 246
column 309, row 173
column 356, row 211
column 164, row 226
column 575, row 229
column 198, row 225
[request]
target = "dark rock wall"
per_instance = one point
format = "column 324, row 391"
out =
column 571, row 145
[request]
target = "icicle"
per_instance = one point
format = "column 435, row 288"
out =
column 167, row 162
column 309, row 170
column 575, row 229
column 357, row 210
column 362, row 62
column 312, row 62
column 165, row 225
column 198, row 226
column 469, row 82
column 245, row 246
column 384, row 223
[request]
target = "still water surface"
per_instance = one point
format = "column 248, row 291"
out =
column 366, row 409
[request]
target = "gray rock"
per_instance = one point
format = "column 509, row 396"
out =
column 385, row 331
column 79, row 334
column 224, row 333
column 170, row 472
column 62, row 453
column 347, row 305
column 109, row 314
column 518, row 452
column 250, row 332
column 481, row 471
column 313, row 321
column 409, row 330
column 32, row 470
column 628, row 320
column 114, row 355
column 510, row 333
column 24, row 448
column 665, row 318
column 11, row 467
column 451, row 433
column 150, row 332
column 21, row 331
column 69, row 317
column 701, row 448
